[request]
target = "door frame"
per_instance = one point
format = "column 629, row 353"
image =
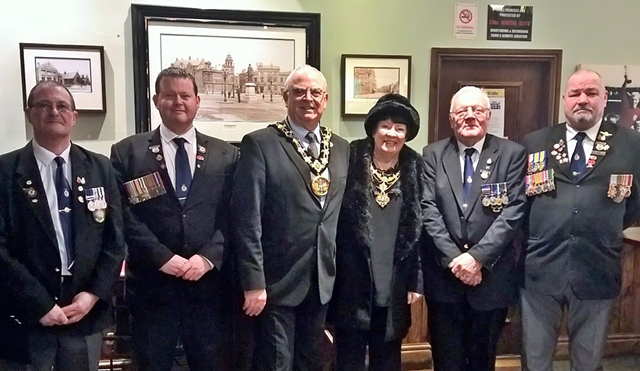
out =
column 441, row 55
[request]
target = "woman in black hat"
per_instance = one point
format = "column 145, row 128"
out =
column 378, row 269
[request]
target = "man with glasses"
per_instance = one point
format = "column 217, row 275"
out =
column 287, row 193
column 475, row 202
column 61, row 243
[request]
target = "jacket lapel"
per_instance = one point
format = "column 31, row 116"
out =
column 601, row 146
column 156, row 162
column 29, row 180
column 451, row 162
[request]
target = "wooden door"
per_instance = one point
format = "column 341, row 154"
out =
column 531, row 79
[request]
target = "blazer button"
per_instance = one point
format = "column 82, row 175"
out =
column 57, row 270
column 55, row 298
column 462, row 218
column 466, row 247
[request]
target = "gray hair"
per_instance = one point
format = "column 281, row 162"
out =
column 305, row 69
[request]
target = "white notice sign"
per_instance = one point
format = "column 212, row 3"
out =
column 496, row 101
column 465, row 21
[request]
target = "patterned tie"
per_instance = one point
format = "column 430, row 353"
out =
column 578, row 161
column 63, row 192
column 183, row 171
column 313, row 144
column 468, row 173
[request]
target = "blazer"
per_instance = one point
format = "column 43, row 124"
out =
column 283, row 234
column 574, row 233
column 485, row 234
column 353, row 296
column 30, row 266
column 160, row 227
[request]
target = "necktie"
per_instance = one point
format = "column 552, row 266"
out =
column 578, row 161
column 468, row 173
column 183, row 171
column 63, row 193
column 313, row 144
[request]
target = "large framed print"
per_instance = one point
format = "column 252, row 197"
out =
column 365, row 78
column 240, row 60
column 80, row 68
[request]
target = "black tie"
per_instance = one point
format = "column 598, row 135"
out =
column 313, row 144
column 183, row 171
column 63, row 192
column 468, row 173
column 578, row 161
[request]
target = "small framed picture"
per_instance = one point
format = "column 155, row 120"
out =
column 80, row 68
column 365, row 78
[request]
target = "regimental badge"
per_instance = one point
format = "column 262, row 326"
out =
column 540, row 182
column 155, row 148
column 494, row 195
column 560, row 152
column 537, row 161
column 620, row 187
column 30, row 192
column 96, row 203
column 202, row 149
column 145, row 188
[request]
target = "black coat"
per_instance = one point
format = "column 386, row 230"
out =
column 29, row 256
column 353, row 295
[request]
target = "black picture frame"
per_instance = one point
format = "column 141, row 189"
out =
column 141, row 15
column 79, row 67
column 353, row 105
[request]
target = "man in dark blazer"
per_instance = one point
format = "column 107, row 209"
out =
column 286, row 199
column 574, row 226
column 474, row 204
column 176, row 230
column 60, row 252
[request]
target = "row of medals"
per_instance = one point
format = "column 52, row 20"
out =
column 319, row 183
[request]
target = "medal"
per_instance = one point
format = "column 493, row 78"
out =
column 383, row 182
column 620, row 187
column 98, row 215
column 320, row 186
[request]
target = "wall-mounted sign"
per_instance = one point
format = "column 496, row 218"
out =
column 509, row 22
column 465, row 21
column 496, row 122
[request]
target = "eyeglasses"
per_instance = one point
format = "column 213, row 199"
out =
column 62, row 108
column 475, row 110
column 299, row 92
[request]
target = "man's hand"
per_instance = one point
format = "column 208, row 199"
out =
column 412, row 297
column 471, row 280
column 254, row 301
column 198, row 266
column 55, row 316
column 79, row 307
column 465, row 264
column 176, row 266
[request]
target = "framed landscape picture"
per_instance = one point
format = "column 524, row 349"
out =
column 365, row 78
column 80, row 68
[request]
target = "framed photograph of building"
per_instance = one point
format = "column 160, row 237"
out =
column 78, row 67
column 365, row 78
column 240, row 60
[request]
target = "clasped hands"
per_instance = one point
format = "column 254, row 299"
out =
column 72, row 313
column 467, row 269
column 191, row 269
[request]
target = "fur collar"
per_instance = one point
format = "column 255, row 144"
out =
column 355, row 217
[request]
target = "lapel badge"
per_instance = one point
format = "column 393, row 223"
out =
column 81, row 199
column 484, row 174
column 163, row 166
column 159, row 157
column 80, row 180
column 200, row 158
column 601, row 146
column 603, row 135
column 155, row 148
column 80, row 188
column 489, row 161
column 202, row 149
column 31, row 192
column 28, row 182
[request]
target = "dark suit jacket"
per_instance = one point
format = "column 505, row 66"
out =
column 282, row 231
column 29, row 256
column 158, row 228
column 489, row 235
column 575, row 232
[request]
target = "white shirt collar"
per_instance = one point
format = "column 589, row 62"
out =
column 592, row 132
column 300, row 133
column 46, row 157
column 168, row 135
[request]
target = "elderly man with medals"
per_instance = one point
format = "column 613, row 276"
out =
column 378, row 263
column 286, row 199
